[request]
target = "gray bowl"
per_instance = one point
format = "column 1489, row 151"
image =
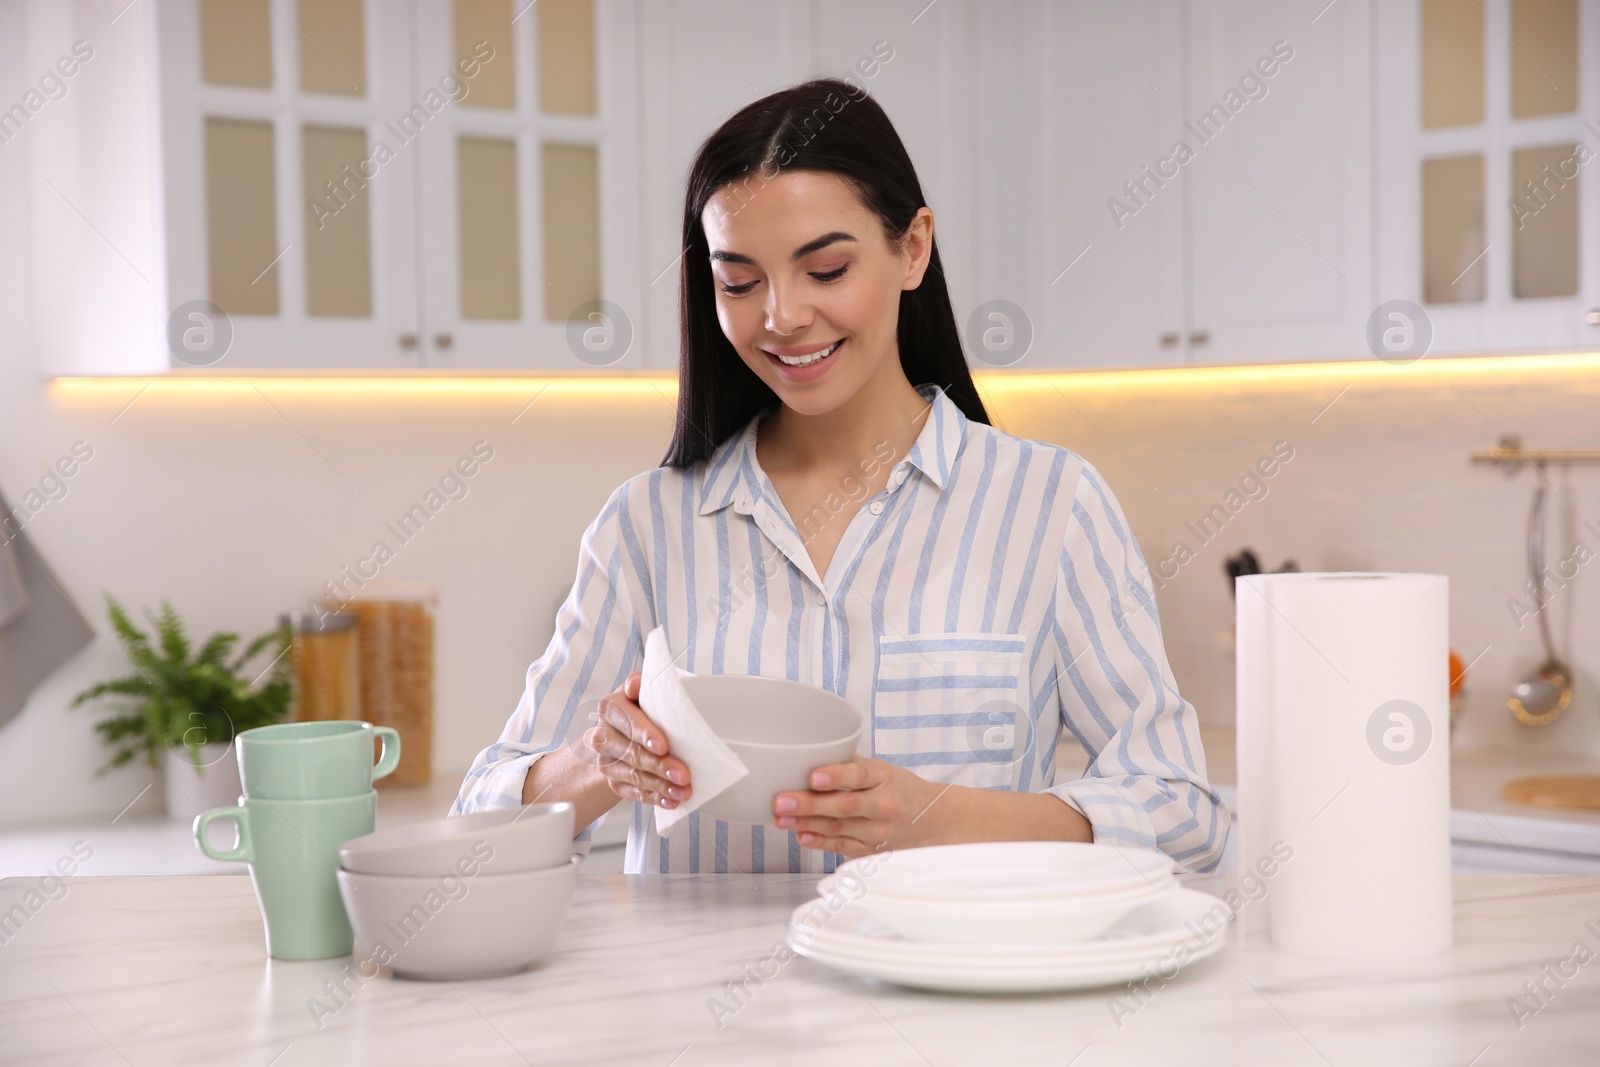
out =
column 444, row 928
column 780, row 729
column 500, row 841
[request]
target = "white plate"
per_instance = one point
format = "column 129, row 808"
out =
column 854, row 889
column 1172, row 930
column 1010, row 870
column 1177, row 915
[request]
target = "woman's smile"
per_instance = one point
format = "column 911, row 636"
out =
column 804, row 363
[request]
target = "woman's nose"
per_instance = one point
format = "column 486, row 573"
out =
column 785, row 313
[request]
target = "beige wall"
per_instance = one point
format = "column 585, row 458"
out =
column 237, row 509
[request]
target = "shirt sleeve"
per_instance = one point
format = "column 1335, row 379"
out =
column 1146, row 782
column 597, row 643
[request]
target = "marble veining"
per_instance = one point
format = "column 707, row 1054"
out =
column 173, row 970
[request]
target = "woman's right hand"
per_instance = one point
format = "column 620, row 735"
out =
column 631, row 751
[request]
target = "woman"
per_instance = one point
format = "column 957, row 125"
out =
column 820, row 517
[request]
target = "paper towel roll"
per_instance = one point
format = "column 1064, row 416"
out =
column 1344, row 762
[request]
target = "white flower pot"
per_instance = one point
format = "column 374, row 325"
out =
column 214, row 785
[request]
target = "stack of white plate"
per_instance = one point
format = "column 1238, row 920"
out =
column 1008, row 917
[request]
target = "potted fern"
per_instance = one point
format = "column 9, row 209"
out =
column 183, row 706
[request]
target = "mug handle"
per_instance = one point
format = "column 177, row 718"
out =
column 240, row 853
column 391, row 751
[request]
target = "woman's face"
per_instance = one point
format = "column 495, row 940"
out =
column 807, row 285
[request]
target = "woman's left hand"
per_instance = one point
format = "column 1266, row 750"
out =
column 861, row 807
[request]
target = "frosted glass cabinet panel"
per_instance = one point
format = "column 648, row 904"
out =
column 236, row 42
column 332, row 46
column 1453, row 245
column 241, row 215
column 1544, row 59
column 338, row 228
column 1451, row 56
column 486, row 219
column 567, row 57
column 1545, row 240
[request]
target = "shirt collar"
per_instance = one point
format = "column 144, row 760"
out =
column 733, row 476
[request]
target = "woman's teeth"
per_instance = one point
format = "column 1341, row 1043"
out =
column 801, row 361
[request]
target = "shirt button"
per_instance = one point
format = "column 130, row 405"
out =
column 876, row 507
column 822, row 600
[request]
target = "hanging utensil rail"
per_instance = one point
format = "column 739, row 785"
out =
column 1510, row 453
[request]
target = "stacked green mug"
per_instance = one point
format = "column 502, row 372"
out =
column 307, row 790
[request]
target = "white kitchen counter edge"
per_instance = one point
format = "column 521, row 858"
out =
column 1500, row 831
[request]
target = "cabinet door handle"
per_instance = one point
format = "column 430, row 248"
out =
column 408, row 341
column 443, row 340
column 1593, row 317
column 1199, row 337
column 1169, row 338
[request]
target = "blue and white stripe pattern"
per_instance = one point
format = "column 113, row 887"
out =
column 991, row 597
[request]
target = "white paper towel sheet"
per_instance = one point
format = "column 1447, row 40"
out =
column 713, row 767
column 1344, row 757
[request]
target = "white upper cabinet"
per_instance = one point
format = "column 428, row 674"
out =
column 1278, row 109
column 498, row 184
column 1488, row 141
column 1073, row 107
column 366, row 184
column 289, row 198
column 528, row 185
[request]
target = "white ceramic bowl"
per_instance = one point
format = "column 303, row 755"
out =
column 1004, row 893
column 1010, row 923
column 450, row 928
column 501, row 841
column 1004, row 871
column 780, row 729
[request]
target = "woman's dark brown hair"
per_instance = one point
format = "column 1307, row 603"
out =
column 823, row 125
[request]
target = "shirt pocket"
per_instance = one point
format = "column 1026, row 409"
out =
column 950, row 708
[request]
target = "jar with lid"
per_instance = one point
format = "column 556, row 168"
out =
column 395, row 621
column 327, row 665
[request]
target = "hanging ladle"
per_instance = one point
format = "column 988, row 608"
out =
column 1544, row 695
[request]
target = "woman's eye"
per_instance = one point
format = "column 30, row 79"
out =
column 738, row 290
column 832, row 275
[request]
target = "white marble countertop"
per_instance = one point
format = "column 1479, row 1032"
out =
column 172, row 971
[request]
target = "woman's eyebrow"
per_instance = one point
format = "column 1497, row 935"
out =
column 804, row 250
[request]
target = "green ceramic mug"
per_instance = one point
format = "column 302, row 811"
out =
column 292, row 847
column 314, row 760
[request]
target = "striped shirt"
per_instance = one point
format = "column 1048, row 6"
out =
column 989, row 598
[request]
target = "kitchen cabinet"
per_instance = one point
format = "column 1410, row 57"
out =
column 1179, row 181
column 1070, row 102
column 1279, row 253
column 1487, row 132
column 349, row 184
column 1155, row 184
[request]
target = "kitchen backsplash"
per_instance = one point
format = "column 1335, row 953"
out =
column 1379, row 480
column 238, row 505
